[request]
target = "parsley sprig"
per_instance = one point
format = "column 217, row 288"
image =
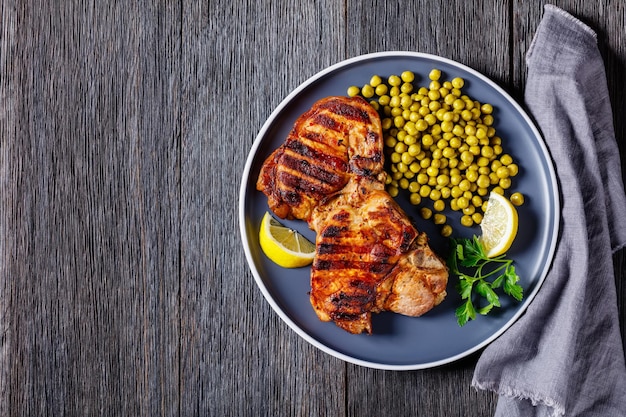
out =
column 480, row 275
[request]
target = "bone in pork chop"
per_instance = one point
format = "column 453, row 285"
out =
column 338, row 137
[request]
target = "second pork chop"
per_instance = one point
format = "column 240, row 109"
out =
column 370, row 258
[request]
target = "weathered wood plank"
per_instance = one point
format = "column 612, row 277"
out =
column 240, row 59
column 91, row 277
column 456, row 30
column 8, row 237
column 443, row 391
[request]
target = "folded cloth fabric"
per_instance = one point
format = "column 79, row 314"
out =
column 564, row 356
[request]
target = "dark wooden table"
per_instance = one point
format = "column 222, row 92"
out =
column 124, row 128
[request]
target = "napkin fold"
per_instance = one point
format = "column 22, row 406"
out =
column 564, row 356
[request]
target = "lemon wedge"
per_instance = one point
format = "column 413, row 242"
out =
column 284, row 246
column 499, row 225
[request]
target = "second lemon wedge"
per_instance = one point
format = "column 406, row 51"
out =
column 499, row 225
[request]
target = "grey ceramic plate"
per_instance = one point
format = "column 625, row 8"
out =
column 400, row 342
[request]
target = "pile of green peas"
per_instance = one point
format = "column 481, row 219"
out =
column 441, row 145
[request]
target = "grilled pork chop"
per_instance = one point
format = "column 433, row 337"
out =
column 336, row 138
column 369, row 257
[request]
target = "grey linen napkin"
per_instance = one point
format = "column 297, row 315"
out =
column 564, row 356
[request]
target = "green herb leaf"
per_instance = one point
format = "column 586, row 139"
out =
column 483, row 288
column 459, row 251
column 497, row 283
column 479, row 277
column 465, row 313
column 465, row 288
column 511, row 287
column 485, row 310
column 474, row 253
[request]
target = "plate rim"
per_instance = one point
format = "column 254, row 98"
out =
column 551, row 174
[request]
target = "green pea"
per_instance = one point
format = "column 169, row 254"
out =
column 517, row 199
column 367, row 91
column 353, row 91
column 375, row 80
column 407, row 76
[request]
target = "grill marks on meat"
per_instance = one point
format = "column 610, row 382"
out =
column 337, row 137
column 369, row 256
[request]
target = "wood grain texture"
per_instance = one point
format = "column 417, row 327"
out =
column 456, row 30
column 124, row 129
column 93, row 197
column 240, row 60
